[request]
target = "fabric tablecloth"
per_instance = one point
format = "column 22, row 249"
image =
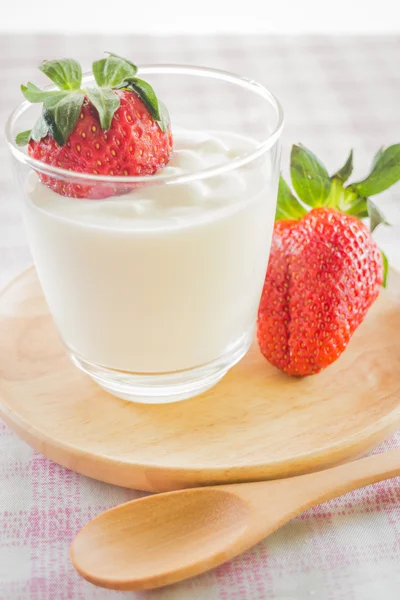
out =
column 338, row 93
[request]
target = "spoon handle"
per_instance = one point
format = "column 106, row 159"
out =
column 294, row 495
column 352, row 476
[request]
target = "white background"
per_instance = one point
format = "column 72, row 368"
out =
column 200, row 16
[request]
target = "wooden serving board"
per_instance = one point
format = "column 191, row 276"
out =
column 256, row 423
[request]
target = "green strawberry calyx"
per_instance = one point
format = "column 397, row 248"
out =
column 61, row 107
column 315, row 187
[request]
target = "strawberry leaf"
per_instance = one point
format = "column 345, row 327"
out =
column 164, row 121
column 134, row 67
column 385, row 269
column 106, row 103
column 157, row 109
column 146, row 93
column 288, row 207
column 385, row 172
column 40, row 129
column 309, row 177
column 34, row 94
column 344, row 173
column 61, row 114
column 65, row 73
column 375, row 215
column 377, row 157
column 22, row 139
column 112, row 71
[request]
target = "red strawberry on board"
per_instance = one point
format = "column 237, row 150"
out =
column 118, row 128
column 325, row 270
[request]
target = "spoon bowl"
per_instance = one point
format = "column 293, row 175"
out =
column 185, row 535
column 162, row 539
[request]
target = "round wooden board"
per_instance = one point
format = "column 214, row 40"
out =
column 257, row 423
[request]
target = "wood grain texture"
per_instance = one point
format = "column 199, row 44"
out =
column 164, row 538
column 255, row 424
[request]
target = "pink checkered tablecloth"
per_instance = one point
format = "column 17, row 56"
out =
column 338, row 93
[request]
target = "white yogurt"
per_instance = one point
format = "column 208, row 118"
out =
column 167, row 277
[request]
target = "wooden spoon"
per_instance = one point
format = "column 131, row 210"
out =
column 161, row 539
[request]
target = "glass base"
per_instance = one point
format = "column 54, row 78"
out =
column 164, row 387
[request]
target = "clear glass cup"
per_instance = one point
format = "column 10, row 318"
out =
column 154, row 282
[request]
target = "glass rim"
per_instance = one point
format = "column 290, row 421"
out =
column 177, row 69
